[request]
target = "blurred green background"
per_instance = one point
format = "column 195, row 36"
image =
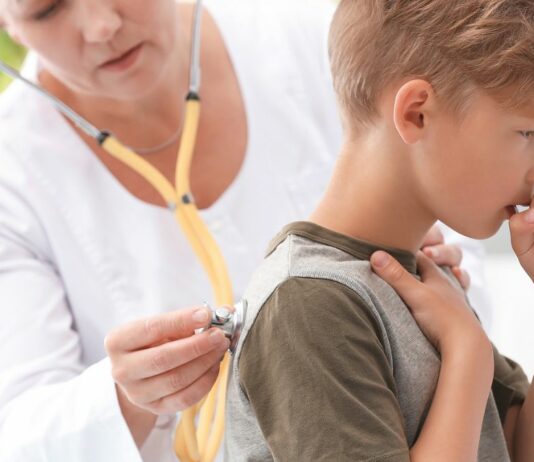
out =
column 10, row 53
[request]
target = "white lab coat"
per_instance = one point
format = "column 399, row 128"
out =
column 79, row 255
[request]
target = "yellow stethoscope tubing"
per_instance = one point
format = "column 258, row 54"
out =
column 195, row 228
column 190, row 444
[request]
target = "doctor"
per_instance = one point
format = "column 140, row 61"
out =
column 97, row 355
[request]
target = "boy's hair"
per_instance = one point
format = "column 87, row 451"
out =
column 456, row 45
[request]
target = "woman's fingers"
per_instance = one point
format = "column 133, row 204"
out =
column 433, row 237
column 171, row 355
column 427, row 268
column 462, row 276
column 451, row 256
column 187, row 397
column 176, row 380
column 161, row 357
column 444, row 254
column 147, row 332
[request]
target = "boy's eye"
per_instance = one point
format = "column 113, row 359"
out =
column 46, row 12
column 528, row 134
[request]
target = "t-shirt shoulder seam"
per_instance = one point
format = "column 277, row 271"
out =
column 362, row 305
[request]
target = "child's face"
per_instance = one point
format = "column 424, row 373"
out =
column 474, row 170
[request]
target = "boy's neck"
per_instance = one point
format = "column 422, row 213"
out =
column 373, row 196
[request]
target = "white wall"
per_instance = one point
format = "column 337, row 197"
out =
column 512, row 296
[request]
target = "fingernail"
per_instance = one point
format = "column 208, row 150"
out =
column 529, row 216
column 216, row 336
column 201, row 315
column 380, row 259
column 431, row 252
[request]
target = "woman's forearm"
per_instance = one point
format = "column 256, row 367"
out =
column 524, row 430
column 139, row 421
column 453, row 426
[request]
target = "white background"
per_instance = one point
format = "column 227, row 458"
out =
column 512, row 297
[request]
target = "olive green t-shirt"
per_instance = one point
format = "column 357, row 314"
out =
column 317, row 375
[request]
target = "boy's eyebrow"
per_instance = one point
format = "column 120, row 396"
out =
column 526, row 110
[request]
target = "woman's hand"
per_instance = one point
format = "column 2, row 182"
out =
column 438, row 306
column 442, row 254
column 161, row 367
column 522, row 233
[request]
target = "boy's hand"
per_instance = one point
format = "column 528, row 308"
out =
column 522, row 233
column 438, row 306
column 442, row 254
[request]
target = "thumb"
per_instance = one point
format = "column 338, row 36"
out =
column 391, row 271
column 522, row 231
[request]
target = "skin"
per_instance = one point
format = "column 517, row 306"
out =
column 73, row 39
column 427, row 157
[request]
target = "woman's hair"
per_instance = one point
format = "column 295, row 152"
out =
column 457, row 45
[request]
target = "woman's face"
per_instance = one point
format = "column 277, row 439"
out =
column 108, row 48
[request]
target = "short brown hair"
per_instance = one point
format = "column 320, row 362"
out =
column 456, row 45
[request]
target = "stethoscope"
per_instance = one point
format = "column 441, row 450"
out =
column 192, row 442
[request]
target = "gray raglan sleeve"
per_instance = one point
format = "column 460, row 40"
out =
column 317, row 377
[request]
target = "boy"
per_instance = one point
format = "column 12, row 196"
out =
column 437, row 98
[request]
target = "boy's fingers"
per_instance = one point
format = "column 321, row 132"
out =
column 391, row 271
column 522, row 231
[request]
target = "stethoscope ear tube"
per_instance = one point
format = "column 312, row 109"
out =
column 68, row 112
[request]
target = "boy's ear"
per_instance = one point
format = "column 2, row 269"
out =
column 410, row 111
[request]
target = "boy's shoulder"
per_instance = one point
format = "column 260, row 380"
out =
column 306, row 256
column 311, row 271
column 313, row 320
column 308, row 251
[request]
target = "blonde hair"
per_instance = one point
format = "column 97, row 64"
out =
column 458, row 46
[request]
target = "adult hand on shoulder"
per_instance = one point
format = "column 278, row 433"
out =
column 435, row 248
column 438, row 305
column 522, row 234
column 160, row 366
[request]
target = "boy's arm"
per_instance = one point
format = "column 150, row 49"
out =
column 315, row 372
column 318, row 379
column 453, row 426
column 458, row 406
column 520, row 423
column 519, row 426
column 510, row 388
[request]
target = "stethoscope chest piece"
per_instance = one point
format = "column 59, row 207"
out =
column 230, row 322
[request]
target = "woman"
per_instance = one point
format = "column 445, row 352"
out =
column 88, row 250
